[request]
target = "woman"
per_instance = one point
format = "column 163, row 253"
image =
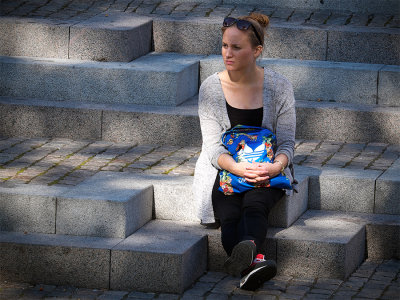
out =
column 245, row 94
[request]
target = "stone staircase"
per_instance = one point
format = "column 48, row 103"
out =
column 129, row 71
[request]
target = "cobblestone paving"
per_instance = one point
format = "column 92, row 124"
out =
column 83, row 9
column 372, row 280
column 65, row 162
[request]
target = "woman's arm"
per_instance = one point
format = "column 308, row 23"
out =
column 210, row 123
column 227, row 162
column 286, row 119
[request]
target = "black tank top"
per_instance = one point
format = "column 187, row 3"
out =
column 248, row 117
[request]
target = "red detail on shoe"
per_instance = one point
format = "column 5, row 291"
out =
column 259, row 258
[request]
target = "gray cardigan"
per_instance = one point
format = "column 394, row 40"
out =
column 278, row 116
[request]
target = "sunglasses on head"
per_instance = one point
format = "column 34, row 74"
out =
column 241, row 25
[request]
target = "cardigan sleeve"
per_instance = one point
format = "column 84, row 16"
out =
column 285, row 118
column 211, row 123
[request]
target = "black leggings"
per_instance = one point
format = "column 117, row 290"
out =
column 244, row 216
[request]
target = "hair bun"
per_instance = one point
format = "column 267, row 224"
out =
column 261, row 19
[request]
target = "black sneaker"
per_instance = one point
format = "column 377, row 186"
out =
column 260, row 271
column 241, row 258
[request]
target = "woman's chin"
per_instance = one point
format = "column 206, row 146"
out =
column 230, row 67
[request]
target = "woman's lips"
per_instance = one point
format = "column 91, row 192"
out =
column 229, row 62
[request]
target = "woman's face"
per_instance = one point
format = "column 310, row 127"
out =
column 237, row 50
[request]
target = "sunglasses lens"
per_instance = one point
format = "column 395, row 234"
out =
column 243, row 24
column 228, row 22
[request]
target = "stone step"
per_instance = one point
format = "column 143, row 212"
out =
column 180, row 125
column 116, row 204
column 88, row 209
column 382, row 230
column 171, row 78
column 111, row 36
column 366, row 84
column 154, row 79
column 325, row 244
column 328, row 244
column 388, row 190
column 172, row 193
column 354, row 190
column 160, row 257
column 286, row 39
column 122, row 36
column 163, row 256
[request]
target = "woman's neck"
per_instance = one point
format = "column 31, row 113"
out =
column 245, row 76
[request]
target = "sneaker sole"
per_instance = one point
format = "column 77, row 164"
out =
column 242, row 256
column 258, row 276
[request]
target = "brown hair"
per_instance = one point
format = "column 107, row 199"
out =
column 260, row 23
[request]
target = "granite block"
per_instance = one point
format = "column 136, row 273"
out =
column 56, row 259
column 329, row 81
column 271, row 244
column 33, row 37
column 171, row 197
column 23, row 119
column 28, row 208
column 316, row 80
column 289, row 208
column 331, row 121
column 343, row 190
column 388, row 190
column 105, row 205
column 171, row 193
column 383, row 241
column 111, row 36
column 216, row 253
column 320, row 247
column 154, row 79
column 168, row 78
column 295, row 42
column 197, row 36
column 389, row 86
column 163, row 256
column 365, row 45
column 284, row 41
column 382, row 231
column 210, row 65
column 124, row 126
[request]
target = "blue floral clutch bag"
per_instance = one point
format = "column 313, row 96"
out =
column 250, row 144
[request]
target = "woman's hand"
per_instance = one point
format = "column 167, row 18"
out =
column 252, row 172
column 261, row 172
column 241, row 168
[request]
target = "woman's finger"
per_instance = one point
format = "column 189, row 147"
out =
column 257, row 173
column 257, row 179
